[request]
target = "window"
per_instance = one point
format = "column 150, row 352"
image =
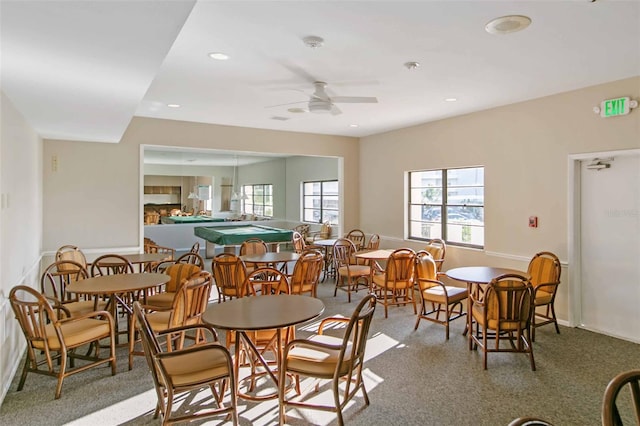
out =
column 447, row 204
column 258, row 199
column 320, row 201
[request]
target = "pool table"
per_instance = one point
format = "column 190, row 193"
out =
column 231, row 236
column 189, row 219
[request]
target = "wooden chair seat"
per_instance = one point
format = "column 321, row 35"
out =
column 190, row 368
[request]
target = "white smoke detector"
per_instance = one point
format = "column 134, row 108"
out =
column 313, row 41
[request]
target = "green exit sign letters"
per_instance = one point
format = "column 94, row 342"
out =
column 615, row 107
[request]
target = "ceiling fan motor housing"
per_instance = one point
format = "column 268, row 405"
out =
column 319, row 106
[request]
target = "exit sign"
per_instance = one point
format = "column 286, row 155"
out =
column 615, row 107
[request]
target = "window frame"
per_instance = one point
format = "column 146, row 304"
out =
column 444, row 206
column 253, row 198
column 321, row 196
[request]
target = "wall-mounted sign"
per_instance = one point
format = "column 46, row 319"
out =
column 615, row 107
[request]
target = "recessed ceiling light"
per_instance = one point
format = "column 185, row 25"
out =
column 354, row 125
column 508, row 24
column 450, row 99
column 219, row 56
column 173, row 105
column 297, row 110
column 313, row 41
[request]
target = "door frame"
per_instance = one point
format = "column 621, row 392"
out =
column 574, row 243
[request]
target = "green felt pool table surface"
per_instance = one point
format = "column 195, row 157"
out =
column 234, row 235
column 189, row 219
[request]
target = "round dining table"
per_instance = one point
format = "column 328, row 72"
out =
column 116, row 287
column 261, row 313
column 277, row 260
column 476, row 277
column 146, row 260
column 327, row 247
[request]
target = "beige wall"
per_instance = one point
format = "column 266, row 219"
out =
column 524, row 148
column 93, row 199
column 20, row 226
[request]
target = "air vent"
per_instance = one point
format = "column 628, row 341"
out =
column 278, row 118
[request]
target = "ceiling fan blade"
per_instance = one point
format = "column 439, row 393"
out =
column 335, row 110
column 354, row 100
column 288, row 103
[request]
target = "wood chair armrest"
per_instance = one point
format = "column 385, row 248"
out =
column 59, row 307
column 196, row 348
column 543, row 286
column 186, row 328
column 329, row 320
column 89, row 315
column 309, row 344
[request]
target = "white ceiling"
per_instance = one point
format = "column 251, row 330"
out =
column 80, row 70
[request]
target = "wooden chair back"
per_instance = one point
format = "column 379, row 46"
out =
column 253, row 246
column 179, row 272
column 357, row 237
column 437, row 248
column 195, row 248
column 508, row 302
column 229, row 274
column 111, row 264
column 400, row 269
column 342, row 253
column 298, row 242
column 57, row 276
column 71, row 252
column 192, row 258
column 306, row 273
column 266, row 281
column 374, row 242
column 544, row 268
column 191, row 300
column 615, row 408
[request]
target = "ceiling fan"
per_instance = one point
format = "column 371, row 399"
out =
column 320, row 102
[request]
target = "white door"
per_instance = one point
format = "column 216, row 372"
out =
column 610, row 248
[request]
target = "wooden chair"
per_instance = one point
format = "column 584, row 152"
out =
column 252, row 246
column 349, row 276
column 111, row 264
column 178, row 272
column 53, row 337
column 189, row 303
column 150, row 246
column 306, row 273
column 544, row 269
column 330, row 358
column 436, row 298
column 323, row 234
column 374, row 242
column 503, row 313
column 54, row 281
column 203, row 365
column 298, row 242
column 395, row 285
column 229, row 274
column 437, row 248
column 303, row 229
column 357, row 237
column 192, row 258
column 615, row 410
column 71, row 252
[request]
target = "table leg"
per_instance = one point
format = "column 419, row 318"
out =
column 242, row 336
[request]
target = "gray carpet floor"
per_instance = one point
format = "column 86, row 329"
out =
column 413, row 378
